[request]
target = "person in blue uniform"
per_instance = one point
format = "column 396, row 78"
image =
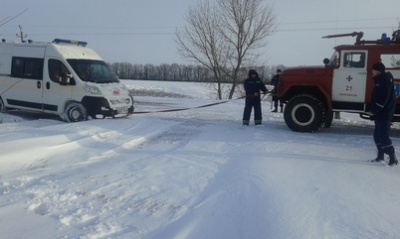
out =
column 383, row 105
column 275, row 99
column 253, row 87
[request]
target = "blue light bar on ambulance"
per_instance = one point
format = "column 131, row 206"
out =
column 64, row 41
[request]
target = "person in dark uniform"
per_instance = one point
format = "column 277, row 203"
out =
column 253, row 85
column 383, row 105
column 275, row 100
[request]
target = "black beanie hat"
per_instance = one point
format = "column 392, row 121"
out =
column 253, row 72
column 379, row 67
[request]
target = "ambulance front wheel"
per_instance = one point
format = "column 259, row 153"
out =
column 75, row 112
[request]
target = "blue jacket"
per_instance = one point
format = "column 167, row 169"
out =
column 275, row 81
column 252, row 86
column 383, row 99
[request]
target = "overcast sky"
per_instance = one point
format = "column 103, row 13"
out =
column 143, row 31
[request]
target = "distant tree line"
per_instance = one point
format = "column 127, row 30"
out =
column 179, row 72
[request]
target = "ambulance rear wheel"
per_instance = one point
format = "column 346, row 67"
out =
column 304, row 113
column 75, row 112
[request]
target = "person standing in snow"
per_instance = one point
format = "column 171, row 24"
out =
column 275, row 82
column 383, row 105
column 253, row 85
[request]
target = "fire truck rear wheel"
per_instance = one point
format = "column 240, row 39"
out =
column 304, row 113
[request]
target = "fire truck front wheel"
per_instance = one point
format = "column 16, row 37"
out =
column 304, row 113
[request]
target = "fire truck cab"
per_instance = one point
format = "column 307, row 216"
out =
column 313, row 94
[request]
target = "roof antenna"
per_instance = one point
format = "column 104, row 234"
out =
column 21, row 35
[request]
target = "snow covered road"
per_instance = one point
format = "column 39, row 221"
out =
column 194, row 174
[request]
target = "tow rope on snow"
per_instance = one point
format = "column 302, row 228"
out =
column 196, row 107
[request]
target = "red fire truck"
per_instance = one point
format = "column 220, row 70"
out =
column 313, row 95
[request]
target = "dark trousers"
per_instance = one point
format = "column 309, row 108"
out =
column 250, row 104
column 381, row 137
column 276, row 101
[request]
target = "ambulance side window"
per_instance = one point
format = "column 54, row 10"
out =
column 29, row 68
column 57, row 70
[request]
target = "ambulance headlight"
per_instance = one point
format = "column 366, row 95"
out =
column 92, row 89
column 124, row 87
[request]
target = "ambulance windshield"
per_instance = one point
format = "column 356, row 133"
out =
column 93, row 71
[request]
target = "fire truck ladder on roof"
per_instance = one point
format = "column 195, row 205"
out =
column 384, row 40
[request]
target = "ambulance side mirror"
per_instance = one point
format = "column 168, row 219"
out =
column 67, row 80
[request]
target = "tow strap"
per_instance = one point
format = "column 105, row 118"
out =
column 190, row 108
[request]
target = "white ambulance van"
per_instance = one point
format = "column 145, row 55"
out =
column 64, row 78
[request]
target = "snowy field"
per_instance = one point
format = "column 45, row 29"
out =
column 196, row 174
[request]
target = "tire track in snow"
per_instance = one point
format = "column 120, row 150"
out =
column 89, row 201
column 260, row 191
column 47, row 196
column 235, row 196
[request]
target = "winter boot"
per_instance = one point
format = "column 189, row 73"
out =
column 379, row 158
column 275, row 110
column 393, row 160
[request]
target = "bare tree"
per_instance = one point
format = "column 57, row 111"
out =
column 246, row 25
column 223, row 35
column 202, row 41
